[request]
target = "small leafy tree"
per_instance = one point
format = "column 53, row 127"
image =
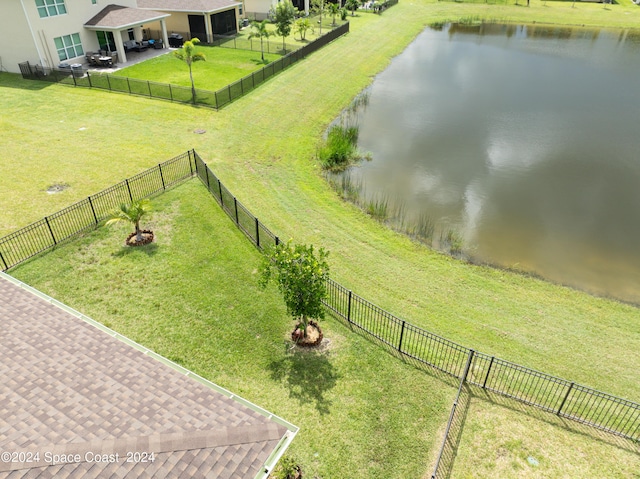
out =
column 284, row 14
column 301, row 276
column 302, row 26
column 352, row 5
column 260, row 30
column 131, row 213
column 188, row 55
column 334, row 10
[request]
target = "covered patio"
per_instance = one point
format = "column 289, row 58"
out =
column 121, row 29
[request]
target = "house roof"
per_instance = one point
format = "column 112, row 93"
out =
column 194, row 6
column 73, row 390
column 119, row 17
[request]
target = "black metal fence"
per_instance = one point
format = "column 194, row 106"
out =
column 455, row 425
column 559, row 396
column 165, row 91
column 88, row 213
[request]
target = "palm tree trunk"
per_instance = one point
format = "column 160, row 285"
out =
column 261, row 49
column 138, row 233
column 193, row 86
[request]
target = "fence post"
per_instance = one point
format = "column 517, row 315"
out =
column 46, row 219
column 170, row 92
column 95, row 217
column 109, row 82
column 488, row 371
column 235, row 206
column 161, row 176
column 349, row 308
column 401, row 335
column 191, row 153
column 89, row 78
column 129, row 189
column 128, row 85
column 277, row 241
column 467, row 366
column 229, row 89
column 257, row 233
column 220, row 191
column 565, row 399
column 3, row 261
column 206, row 170
column 149, row 88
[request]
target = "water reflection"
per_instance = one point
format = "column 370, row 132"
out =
column 522, row 139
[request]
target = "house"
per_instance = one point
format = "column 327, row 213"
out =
column 49, row 32
column 79, row 400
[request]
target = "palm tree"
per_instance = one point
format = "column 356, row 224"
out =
column 188, row 55
column 131, row 213
column 259, row 30
column 334, row 9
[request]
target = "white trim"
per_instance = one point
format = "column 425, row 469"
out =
column 35, row 42
column 128, row 25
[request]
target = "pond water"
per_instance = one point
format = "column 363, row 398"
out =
column 522, row 142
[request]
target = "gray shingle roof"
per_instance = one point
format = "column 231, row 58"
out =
column 188, row 5
column 116, row 16
column 69, row 388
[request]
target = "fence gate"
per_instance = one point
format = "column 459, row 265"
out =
column 25, row 69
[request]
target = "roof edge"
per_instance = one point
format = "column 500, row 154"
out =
column 285, row 441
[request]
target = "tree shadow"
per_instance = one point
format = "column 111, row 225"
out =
column 308, row 374
column 149, row 249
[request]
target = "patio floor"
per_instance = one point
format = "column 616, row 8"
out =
column 133, row 57
column 78, row 400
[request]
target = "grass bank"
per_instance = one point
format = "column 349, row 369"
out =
column 193, row 296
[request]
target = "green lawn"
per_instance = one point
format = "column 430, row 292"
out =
column 529, row 446
column 263, row 148
column 193, row 296
column 222, row 67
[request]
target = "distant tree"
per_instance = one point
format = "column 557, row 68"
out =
column 302, row 26
column 283, row 16
column 352, row 5
column 260, row 30
column 319, row 7
column 188, row 55
column 334, row 10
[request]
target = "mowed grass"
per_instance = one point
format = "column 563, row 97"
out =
column 193, row 296
column 222, row 67
column 498, row 441
column 263, row 148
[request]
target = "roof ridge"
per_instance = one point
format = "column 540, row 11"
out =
column 118, row 449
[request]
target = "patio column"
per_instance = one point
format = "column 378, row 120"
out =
column 165, row 37
column 122, row 56
column 306, row 7
column 207, row 26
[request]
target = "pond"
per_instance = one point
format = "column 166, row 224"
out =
column 518, row 145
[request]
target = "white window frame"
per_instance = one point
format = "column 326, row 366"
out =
column 69, row 46
column 50, row 8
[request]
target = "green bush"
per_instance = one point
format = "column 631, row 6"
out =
column 339, row 149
